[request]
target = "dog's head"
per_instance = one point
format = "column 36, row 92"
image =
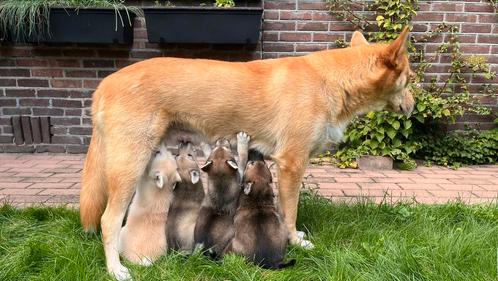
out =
column 257, row 180
column 163, row 168
column 221, row 161
column 392, row 73
column 187, row 163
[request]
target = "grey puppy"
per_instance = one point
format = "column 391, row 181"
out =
column 214, row 228
column 260, row 233
column 186, row 202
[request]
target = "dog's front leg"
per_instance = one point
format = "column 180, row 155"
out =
column 291, row 166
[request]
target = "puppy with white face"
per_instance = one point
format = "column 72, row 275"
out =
column 214, row 227
column 186, row 202
column 260, row 233
column 142, row 240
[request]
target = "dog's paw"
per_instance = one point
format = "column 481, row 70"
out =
column 121, row 273
column 305, row 244
column 243, row 139
column 301, row 234
column 145, row 261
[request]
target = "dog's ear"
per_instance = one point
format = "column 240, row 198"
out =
column 247, row 187
column 232, row 164
column 207, row 165
column 397, row 49
column 194, row 176
column 358, row 39
column 158, row 179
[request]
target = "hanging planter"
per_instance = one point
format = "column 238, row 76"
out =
column 202, row 24
column 43, row 23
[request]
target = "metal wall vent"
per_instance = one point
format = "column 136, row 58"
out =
column 30, row 129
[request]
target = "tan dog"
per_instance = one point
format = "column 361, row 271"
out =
column 260, row 233
column 143, row 240
column 186, row 202
column 289, row 106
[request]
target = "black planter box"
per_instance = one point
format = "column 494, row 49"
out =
column 68, row 25
column 238, row 25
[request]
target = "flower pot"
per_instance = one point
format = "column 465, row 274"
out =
column 69, row 25
column 238, row 25
column 368, row 162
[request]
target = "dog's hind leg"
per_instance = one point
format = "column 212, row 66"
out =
column 126, row 161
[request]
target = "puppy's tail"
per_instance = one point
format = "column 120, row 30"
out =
column 93, row 194
column 280, row 265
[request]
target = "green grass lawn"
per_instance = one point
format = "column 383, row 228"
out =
column 360, row 241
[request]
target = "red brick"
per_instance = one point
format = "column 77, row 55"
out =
column 338, row 186
column 46, row 72
column 460, row 18
column 460, row 187
column 488, row 19
column 313, row 26
column 32, row 83
column 91, row 84
column 351, row 180
column 270, row 15
column 269, row 5
column 311, row 5
column 65, row 83
column 52, row 185
column 478, row 7
column 492, row 39
column 279, row 26
column 327, row 37
column 295, row 37
column 419, row 186
column 379, row 186
column 14, row 72
column 64, row 63
column 310, row 47
column 447, row 7
column 394, row 180
column 79, row 53
column 31, row 62
column 475, row 49
column 341, row 27
column 295, row 15
column 470, row 181
column 278, row 47
column 424, row 16
column 81, row 73
column 476, row 28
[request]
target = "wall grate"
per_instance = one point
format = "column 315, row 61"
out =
column 31, row 129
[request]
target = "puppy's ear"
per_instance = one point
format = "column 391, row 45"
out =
column 397, row 49
column 158, row 179
column 207, row 165
column 247, row 187
column 232, row 164
column 358, row 39
column 195, row 176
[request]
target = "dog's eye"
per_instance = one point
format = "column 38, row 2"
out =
column 158, row 152
column 190, row 156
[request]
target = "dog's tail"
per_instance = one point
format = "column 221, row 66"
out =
column 93, row 194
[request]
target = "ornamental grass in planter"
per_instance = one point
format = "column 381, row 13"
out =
column 219, row 22
column 66, row 21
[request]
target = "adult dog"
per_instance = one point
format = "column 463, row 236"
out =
column 289, row 107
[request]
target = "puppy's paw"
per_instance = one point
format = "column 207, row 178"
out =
column 301, row 234
column 120, row 273
column 243, row 139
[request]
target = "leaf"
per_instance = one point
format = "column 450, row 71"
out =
column 421, row 107
column 396, row 125
column 446, row 112
column 391, row 133
column 408, row 124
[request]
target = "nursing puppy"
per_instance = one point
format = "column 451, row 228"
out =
column 289, row 106
column 214, row 228
column 186, row 202
column 260, row 232
column 142, row 240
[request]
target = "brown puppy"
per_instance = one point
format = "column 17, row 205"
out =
column 260, row 233
column 289, row 106
column 186, row 202
column 142, row 240
column 214, row 227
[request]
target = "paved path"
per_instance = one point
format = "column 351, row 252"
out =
column 55, row 179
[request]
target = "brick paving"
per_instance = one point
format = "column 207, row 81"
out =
column 54, row 179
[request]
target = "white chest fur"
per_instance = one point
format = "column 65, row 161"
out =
column 329, row 134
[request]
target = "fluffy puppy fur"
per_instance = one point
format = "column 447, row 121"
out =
column 186, row 203
column 260, row 232
column 214, row 227
column 142, row 240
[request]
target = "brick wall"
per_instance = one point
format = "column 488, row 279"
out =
column 58, row 80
